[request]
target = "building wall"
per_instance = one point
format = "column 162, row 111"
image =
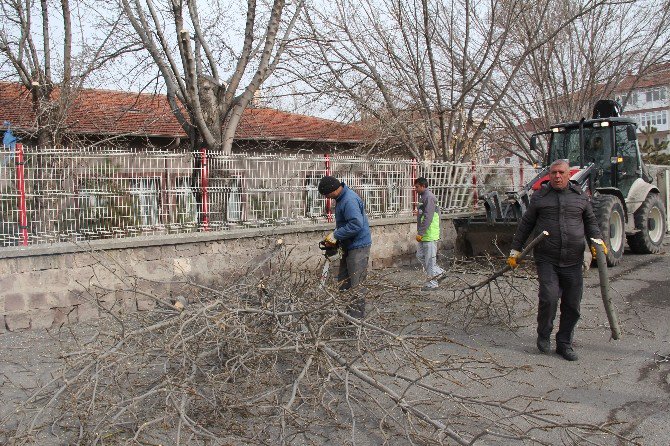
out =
column 650, row 106
column 46, row 287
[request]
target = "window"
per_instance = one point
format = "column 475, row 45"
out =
column 313, row 200
column 91, row 206
column 145, row 200
column 393, row 198
column 371, row 195
column 186, row 207
column 656, row 94
column 652, row 119
column 626, row 171
column 234, row 200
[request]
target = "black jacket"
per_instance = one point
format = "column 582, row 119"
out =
column 568, row 217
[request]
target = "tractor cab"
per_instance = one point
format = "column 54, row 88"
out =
column 607, row 147
column 605, row 162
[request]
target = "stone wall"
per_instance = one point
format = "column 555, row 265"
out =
column 42, row 287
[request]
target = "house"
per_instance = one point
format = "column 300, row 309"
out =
column 107, row 118
column 646, row 99
column 132, row 170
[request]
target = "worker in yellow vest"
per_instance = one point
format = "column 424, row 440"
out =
column 428, row 234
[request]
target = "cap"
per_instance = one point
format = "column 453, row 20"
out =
column 328, row 184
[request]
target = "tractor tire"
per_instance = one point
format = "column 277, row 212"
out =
column 651, row 222
column 609, row 213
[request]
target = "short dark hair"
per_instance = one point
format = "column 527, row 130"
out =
column 422, row 181
column 328, row 184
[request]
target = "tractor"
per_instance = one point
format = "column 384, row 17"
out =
column 605, row 161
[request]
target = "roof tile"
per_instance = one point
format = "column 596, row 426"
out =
column 105, row 112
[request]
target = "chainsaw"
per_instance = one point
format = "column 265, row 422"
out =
column 332, row 254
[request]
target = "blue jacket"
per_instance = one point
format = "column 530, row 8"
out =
column 353, row 229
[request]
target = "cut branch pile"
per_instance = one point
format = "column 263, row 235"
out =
column 272, row 359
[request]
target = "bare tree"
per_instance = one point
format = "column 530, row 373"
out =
column 586, row 61
column 50, row 60
column 429, row 75
column 209, row 82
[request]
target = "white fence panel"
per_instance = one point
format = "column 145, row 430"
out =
column 72, row 195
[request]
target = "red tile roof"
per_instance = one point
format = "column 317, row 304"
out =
column 267, row 123
column 104, row 112
column 655, row 76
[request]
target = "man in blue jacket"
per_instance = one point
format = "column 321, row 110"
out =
column 352, row 232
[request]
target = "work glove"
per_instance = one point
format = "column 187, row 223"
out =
column 513, row 259
column 419, row 238
column 598, row 241
column 330, row 240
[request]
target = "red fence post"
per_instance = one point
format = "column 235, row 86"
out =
column 520, row 175
column 329, row 214
column 475, row 194
column 204, row 180
column 21, row 186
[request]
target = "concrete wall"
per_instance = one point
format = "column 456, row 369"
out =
column 41, row 287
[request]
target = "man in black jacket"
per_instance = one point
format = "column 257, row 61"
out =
column 562, row 209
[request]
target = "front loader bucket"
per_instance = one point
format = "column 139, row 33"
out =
column 475, row 236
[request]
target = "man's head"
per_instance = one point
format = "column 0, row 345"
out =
column 597, row 143
column 420, row 185
column 330, row 187
column 559, row 174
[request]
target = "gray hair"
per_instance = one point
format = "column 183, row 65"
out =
column 560, row 161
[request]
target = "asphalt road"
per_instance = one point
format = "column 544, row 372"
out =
column 622, row 384
column 625, row 383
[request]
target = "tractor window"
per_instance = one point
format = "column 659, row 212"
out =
column 629, row 169
column 597, row 144
column 597, row 147
column 565, row 145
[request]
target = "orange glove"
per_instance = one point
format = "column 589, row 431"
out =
column 513, row 259
column 419, row 238
column 330, row 240
column 597, row 241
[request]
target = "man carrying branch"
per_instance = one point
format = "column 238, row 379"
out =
column 562, row 209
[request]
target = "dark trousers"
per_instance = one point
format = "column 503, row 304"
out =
column 565, row 283
column 353, row 271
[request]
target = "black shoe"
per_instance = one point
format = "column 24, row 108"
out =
column 567, row 352
column 543, row 345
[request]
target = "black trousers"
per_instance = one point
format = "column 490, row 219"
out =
column 565, row 283
column 352, row 273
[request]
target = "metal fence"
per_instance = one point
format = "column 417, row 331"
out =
column 50, row 196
